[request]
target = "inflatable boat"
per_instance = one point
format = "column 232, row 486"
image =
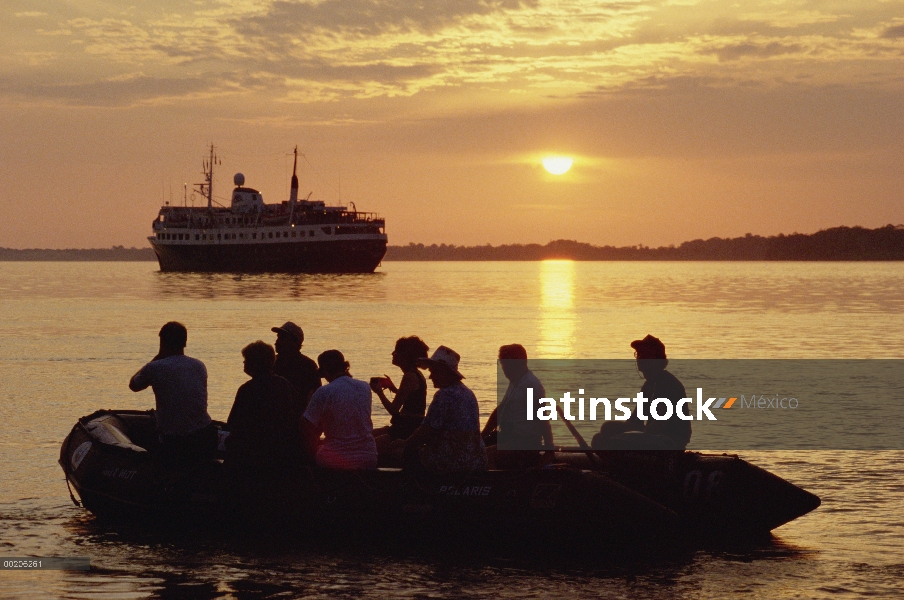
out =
column 108, row 462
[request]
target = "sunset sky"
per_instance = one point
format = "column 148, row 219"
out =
column 685, row 119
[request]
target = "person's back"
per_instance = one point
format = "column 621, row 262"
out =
column 341, row 411
column 663, row 384
column 179, row 382
column 455, row 416
column 515, row 431
column 262, row 433
column 180, row 390
column 301, row 372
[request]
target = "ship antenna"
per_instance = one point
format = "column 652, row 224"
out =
column 208, row 173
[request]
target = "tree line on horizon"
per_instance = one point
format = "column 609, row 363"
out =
column 837, row 243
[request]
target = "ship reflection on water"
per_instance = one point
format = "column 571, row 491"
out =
column 557, row 315
column 364, row 287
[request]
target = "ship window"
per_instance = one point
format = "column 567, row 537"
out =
column 270, row 235
column 218, row 236
column 285, row 234
column 241, row 236
column 197, row 237
column 254, row 236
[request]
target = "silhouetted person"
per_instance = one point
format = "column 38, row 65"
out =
column 674, row 433
column 449, row 439
column 262, row 433
column 185, row 431
column 517, row 439
column 410, row 402
column 340, row 410
column 300, row 370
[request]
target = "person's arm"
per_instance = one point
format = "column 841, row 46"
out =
column 310, row 437
column 491, row 425
column 383, row 399
column 142, row 379
column 415, row 442
column 546, row 432
column 407, row 387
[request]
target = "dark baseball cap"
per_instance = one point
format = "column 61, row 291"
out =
column 649, row 347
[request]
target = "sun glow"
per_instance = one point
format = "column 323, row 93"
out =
column 557, row 165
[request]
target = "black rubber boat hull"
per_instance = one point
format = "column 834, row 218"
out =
column 120, row 479
column 713, row 494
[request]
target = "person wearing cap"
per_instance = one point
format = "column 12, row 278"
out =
column 300, row 370
column 184, row 428
column 518, row 438
column 672, row 434
column 449, row 439
column 340, row 411
column 262, row 433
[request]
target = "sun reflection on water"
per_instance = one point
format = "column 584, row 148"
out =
column 557, row 316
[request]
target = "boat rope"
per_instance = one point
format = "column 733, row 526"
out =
column 71, row 495
column 66, row 471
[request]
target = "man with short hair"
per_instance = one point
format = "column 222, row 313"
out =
column 180, row 390
column 300, row 370
column 517, row 437
column 340, row 411
column 263, row 437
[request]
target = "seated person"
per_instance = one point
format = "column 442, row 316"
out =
column 300, row 370
column 186, row 433
column 449, row 439
column 672, row 434
column 410, row 402
column 340, row 410
column 518, row 439
column 262, row 433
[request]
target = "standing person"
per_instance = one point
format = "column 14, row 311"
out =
column 184, row 428
column 518, row 438
column 410, row 402
column 340, row 411
column 262, row 434
column 449, row 439
column 300, row 370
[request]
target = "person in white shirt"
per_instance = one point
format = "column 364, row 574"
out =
column 340, row 410
column 517, row 438
column 184, row 428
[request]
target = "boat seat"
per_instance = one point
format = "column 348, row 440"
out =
column 109, row 430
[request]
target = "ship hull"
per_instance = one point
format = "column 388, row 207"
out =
column 333, row 256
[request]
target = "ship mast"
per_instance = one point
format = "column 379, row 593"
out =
column 206, row 188
column 293, row 193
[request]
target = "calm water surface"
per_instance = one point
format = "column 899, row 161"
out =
column 73, row 333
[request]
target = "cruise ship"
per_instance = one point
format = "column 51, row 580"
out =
column 294, row 236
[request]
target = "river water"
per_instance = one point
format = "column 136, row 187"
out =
column 73, row 333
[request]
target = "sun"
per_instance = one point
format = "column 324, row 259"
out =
column 557, row 165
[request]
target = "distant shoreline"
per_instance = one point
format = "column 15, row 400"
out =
column 836, row 244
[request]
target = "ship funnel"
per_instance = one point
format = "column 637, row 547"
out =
column 239, row 179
